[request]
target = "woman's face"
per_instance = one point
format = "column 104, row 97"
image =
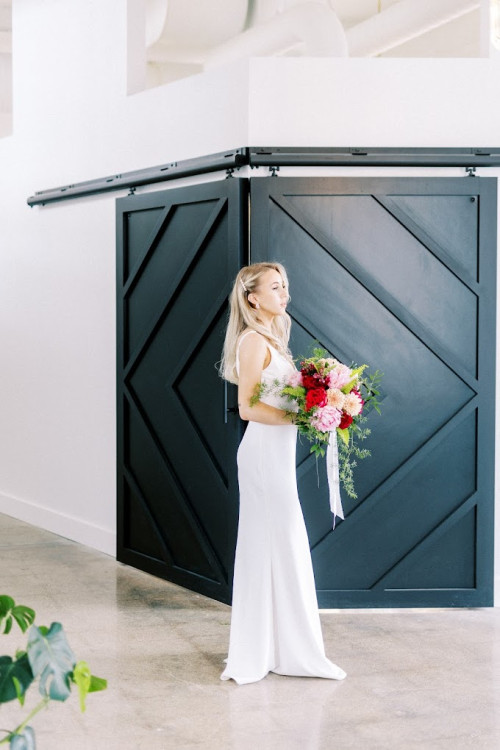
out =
column 271, row 294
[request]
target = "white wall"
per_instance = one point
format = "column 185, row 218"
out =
column 374, row 102
column 73, row 121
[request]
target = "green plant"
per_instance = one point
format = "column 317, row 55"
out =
column 49, row 659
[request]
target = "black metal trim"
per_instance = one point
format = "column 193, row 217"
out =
column 274, row 157
column 380, row 157
column 130, row 180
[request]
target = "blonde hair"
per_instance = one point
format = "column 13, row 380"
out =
column 242, row 315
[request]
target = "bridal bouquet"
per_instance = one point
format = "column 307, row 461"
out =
column 332, row 399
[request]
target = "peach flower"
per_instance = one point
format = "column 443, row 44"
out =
column 335, row 398
column 353, row 404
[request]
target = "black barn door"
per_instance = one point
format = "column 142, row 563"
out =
column 398, row 273
column 178, row 252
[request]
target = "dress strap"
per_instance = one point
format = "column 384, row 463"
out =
column 238, row 348
column 250, row 330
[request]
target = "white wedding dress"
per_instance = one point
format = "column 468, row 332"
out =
column 275, row 625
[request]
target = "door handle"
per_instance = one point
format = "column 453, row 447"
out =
column 228, row 409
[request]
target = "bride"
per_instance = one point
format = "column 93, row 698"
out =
column 275, row 625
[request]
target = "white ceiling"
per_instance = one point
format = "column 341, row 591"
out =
column 458, row 38
column 352, row 12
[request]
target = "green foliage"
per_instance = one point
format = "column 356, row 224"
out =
column 10, row 612
column 356, row 379
column 350, row 451
column 49, row 659
column 23, row 741
column 86, row 682
column 82, row 679
column 295, row 393
column 15, row 677
column 370, row 392
column 317, row 353
column 343, row 435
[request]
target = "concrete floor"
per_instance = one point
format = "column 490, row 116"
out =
column 416, row 678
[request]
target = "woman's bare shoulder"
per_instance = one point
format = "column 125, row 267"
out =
column 254, row 350
column 251, row 343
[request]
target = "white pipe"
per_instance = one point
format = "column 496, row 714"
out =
column 311, row 25
column 156, row 15
column 403, row 21
column 192, row 23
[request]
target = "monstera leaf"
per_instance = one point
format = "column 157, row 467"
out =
column 15, row 677
column 86, row 682
column 9, row 611
column 51, row 659
column 23, row 741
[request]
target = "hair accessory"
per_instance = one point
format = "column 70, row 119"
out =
column 243, row 285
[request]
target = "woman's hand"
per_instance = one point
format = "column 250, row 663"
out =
column 254, row 357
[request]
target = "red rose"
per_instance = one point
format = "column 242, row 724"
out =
column 315, row 397
column 345, row 421
column 309, row 381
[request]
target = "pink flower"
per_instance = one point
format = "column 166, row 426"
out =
column 335, row 398
column 353, row 404
column 338, row 377
column 295, row 379
column 326, row 419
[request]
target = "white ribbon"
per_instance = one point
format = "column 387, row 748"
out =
column 332, row 471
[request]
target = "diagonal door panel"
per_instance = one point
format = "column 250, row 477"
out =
column 404, row 514
column 144, row 526
column 155, row 476
column 386, row 272
column 446, row 562
column 153, row 380
column 149, row 241
column 349, row 314
column 205, row 417
column 396, row 261
column 177, row 488
column 449, row 222
column 138, row 226
column 147, row 296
